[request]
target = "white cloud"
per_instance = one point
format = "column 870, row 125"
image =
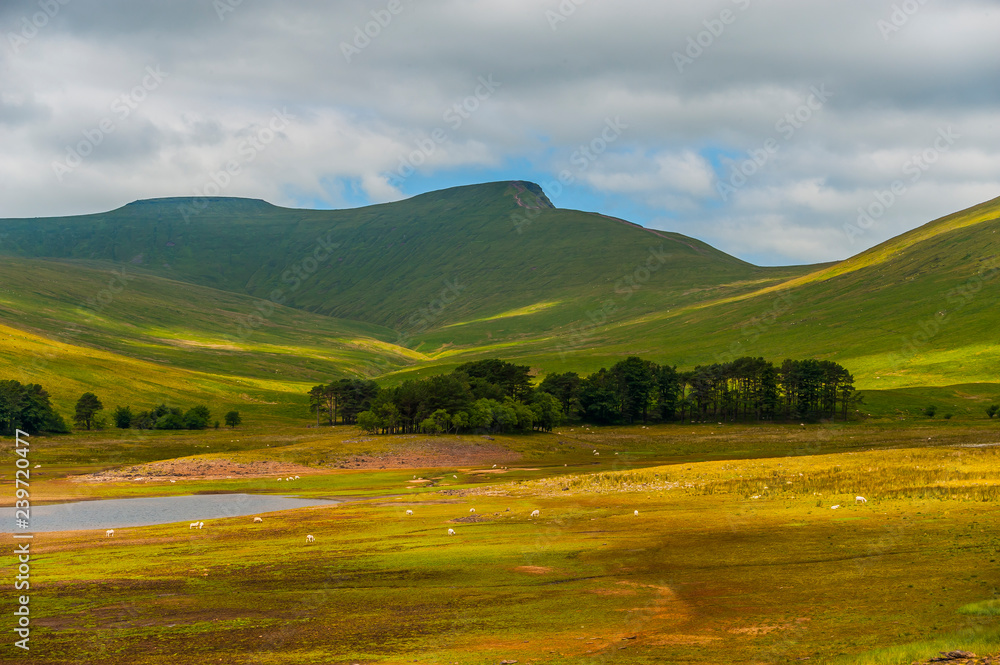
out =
column 356, row 120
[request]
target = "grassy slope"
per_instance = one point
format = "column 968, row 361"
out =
column 872, row 313
column 706, row 573
column 532, row 296
column 187, row 326
column 393, row 260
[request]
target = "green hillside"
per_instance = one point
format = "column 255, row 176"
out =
column 454, row 256
column 186, row 326
column 561, row 290
column 916, row 310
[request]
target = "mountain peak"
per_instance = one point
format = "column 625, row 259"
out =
column 217, row 204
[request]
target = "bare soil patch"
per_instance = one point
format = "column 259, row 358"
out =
column 421, row 453
column 202, row 469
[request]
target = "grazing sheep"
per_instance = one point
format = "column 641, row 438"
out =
column 257, row 519
column 494, row 466
column 860, row 499
column 472, row 510
column 451, row 532
column 409, row 512
column 535, row 513
column 194, row 525
column 310, row 539
column 279, row 480
column 835, row 507
column 109, row 533
column 597, row 453
column 636, row 513
column 455, row 477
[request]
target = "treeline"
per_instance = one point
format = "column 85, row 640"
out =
column 27, row 408
column 746, row 389
column 498, row 396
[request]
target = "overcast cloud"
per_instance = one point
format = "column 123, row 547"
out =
column 758, row 126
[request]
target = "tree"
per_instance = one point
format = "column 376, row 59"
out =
column 123, row 417
column 548, row 410
column 86, row 408
column 992, row 410
column 27, row 407
column 172, row 419
column 197, row 417
column 566, row 388
column 233, row 419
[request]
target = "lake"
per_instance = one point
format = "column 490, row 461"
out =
column 117, row 513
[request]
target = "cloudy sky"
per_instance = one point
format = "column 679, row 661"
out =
column 758, row 126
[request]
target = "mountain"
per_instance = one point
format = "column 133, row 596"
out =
column 455, row 256
column 241, row 290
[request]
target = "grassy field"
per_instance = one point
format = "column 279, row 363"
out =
column 735, row 554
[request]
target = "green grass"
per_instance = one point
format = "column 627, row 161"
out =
column 703, row 574
column 986, row 608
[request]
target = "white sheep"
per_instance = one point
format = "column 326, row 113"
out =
column 409, row 512
column 296, row 477
column 451, row 532
column 455, row 477
column 636, row 513
column 310, row 539
column 494, row 466
column 472, row 510
column 535, row 513
column 193, row 525
column 257, row 519
column 279, row 480
column 835, row 507
column 860, row 499
column 109, row 533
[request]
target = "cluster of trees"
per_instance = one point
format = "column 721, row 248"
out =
column 498, row 396
column 164, row 417
column 487, row 395
column 345, row 397
column 746, row 389
column 27, row 408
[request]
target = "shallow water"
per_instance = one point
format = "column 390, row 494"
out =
column 117, row 513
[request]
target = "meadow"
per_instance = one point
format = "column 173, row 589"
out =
column 736, row 554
